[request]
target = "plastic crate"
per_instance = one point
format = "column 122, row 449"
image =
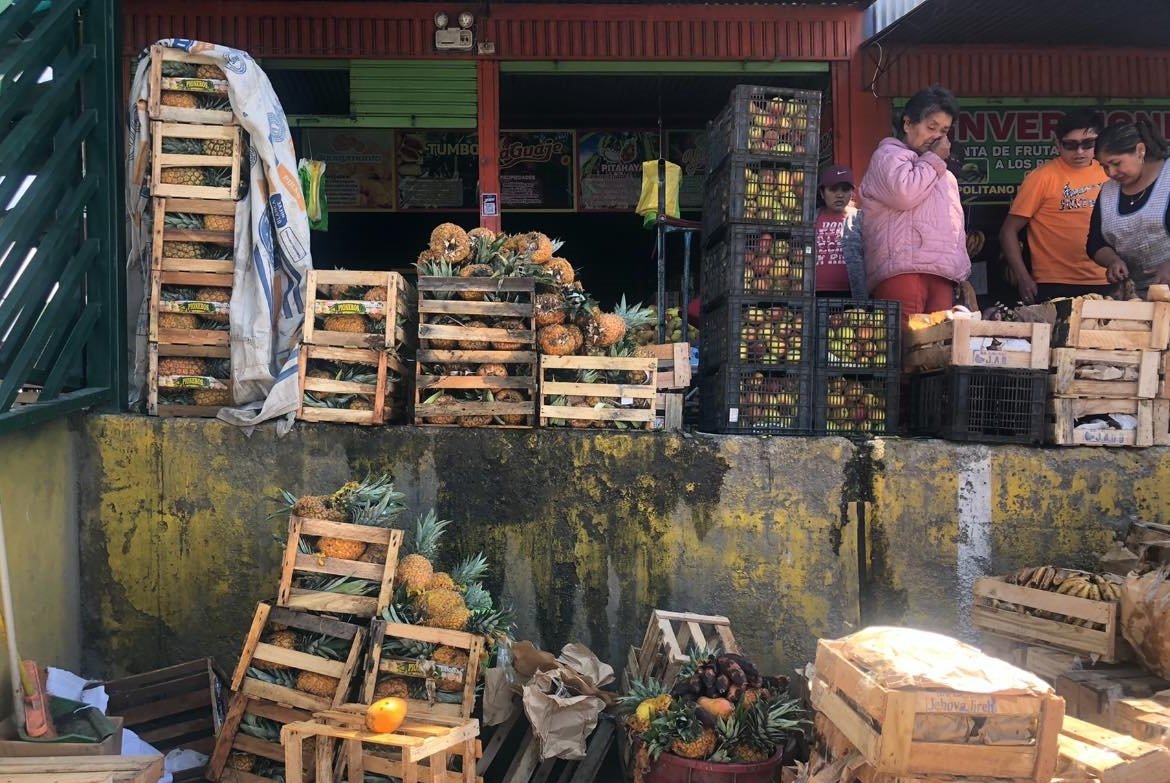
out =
column 738, row 398
column 766, row 332
column 979, row 404
column 771, row 122
column 758, row 261
column 856, row 403
column 862, row 335
column 751, row 189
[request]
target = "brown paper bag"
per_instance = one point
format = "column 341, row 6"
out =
column 561, row 721
column 1145, row 618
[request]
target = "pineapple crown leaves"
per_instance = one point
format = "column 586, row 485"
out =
column 427, row 533
column 470, row 570
column 635, row 315
column 493, row 622
column 679, row 722
column 696, row 657
column 400, row 611
column 260, row 728
column 640, row 690
column 373, row 502
column 476, row 597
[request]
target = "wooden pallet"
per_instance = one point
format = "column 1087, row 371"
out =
column 1070, row 364
column 386, row 397
column 856, row 702
column 417, row 750
column 1109, row 757
column 158, row 111
column 1103, row 323
column 464, row 679
column 158, row 386
column 948, row 344
column 1146, row 719
column 163, row 235
column 161, row 280
column 232, row 739
column 625, row 403
column 668, row 411
column 160, row 160
column 179, row 706
column 81, row 769
column 674, row 364
column 524, row 765
column 297, row 565
column 257, row 652
column 1000, row 608
column 435, row 334
column 1093, row 695
column 395, row 323
column 1063, row 413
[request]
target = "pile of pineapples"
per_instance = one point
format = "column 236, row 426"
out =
column 718, row 709
column 568, row 321
column 208, row 176
column 192, row 380
column 371, row 322
column 184, row 221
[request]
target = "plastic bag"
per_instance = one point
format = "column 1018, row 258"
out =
column 1145, row 618
column 648, row 200
column 312, row 173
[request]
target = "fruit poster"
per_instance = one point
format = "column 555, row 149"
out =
column 997, row 142
column 359, row 166
column 609, row 165
column 536, row 170
column 688, row 148
column 437, row 169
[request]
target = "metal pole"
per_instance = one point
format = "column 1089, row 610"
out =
column 10, row 632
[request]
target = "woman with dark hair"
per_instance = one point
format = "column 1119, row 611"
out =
column 914, row 240
column 1129, row 233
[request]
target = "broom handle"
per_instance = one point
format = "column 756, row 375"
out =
column 10, row 632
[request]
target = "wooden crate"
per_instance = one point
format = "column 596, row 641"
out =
column 668, row 640
column 1068, row 364
column 1063, row 413
column 195, row 85
column 674, row 365
column 210, row 313
column 379, row 662
column 387, row 396
column 1109, row 757
column 157, row 403
column 1104, row 323
column 1146, row 719
column 1000, row 608
column 299, row 565
column 257, row 652
column 233, row 162
column 1045, row 662
column 435, row 334
column 178, row 706
column 81, row 769
column 668, row 411
column 949, row 344
column 233, row 739
column 396, row 327
column 212, row 242
column 1093, row 695
column 422, row 745
column 628, row 403
column 856, row 702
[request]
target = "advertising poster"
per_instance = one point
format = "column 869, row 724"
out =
column 610, row 168
column 359, row 166
column 536, row 170
column 688, row 148
column 437, row 169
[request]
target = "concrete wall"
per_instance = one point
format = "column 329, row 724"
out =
column 38, row 498
column 586, row 532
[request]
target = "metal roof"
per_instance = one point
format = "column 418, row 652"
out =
column 1064, row 23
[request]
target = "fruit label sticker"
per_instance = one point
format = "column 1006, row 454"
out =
column 610, row 167
column 347, row 307
column 407, row 668
column 990, row 358
column 732, row 415
column 194, row 307
column 195, row 85
column 627, row 400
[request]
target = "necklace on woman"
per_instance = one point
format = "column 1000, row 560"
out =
column 1136, row 197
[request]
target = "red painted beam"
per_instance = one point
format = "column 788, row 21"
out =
column 488, row 73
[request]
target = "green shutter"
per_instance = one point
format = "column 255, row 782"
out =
column 413, row 93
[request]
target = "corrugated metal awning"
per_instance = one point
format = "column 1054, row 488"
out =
column 1087, row 23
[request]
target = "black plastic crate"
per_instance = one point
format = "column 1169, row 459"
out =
column 773, row 122
column 980, row 404
column 856, row 334
column 737, row 398
column 751, row 189
column 758, row 261
column 856, row 403
column 766, row 332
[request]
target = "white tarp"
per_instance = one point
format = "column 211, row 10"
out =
column 271, row 248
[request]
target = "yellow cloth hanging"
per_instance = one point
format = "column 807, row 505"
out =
column 648, row 201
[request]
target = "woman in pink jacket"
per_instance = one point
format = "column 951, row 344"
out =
column 915, row 243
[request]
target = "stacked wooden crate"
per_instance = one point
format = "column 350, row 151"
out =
column 357, row 347
column 1107, row 366
column 198, row 167
column 674, row 378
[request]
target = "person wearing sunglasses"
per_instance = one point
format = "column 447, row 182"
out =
column 1054, row 203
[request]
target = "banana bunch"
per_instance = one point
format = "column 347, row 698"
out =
column 1068, row 581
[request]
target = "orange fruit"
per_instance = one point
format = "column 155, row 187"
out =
column 386, row 715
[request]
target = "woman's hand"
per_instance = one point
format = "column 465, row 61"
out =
column 941, row 147
column 1117, row 271
column 1161, row 274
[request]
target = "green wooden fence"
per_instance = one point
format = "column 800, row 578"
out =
column 62, row 341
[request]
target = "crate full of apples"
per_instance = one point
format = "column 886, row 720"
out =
column 749, row 189
column 735, row 398
column 859, row 335
column 856, row 403
column 769, row 333
column 768, row 121
column 755, row 261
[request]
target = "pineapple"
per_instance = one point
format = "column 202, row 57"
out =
column 433, row 603
column 213, row 397
column 182, row 250
column 376, row 293
column 219, row 223
column 536, row 247
column 556, row 340
column 511, row 396
column 178, row 321
column 512, row 325
column 284, row 639
column 550, row 309
column 440, row 580
column 644, row 692
column 450, row 242
column 474, row 270
column 182, row 365
column 454, row 619
column 316, row 507
column 209, row 72
column 183, row 100
column 474, row 345
column 691, row 739
column 220, row 295
column 437, row 400
column 490, row 622
column 353, row 324
column 181, row 175
column 239, row 760
column 476, row 597
column 416, row 569
column 492, row 370
column 372, row 502
column 450, row 656
column 392, row 686
column 561, row 271
column 317, row 684
column 219, row 148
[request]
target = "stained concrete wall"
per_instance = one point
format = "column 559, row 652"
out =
column 586, row 532
column 38, row 499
